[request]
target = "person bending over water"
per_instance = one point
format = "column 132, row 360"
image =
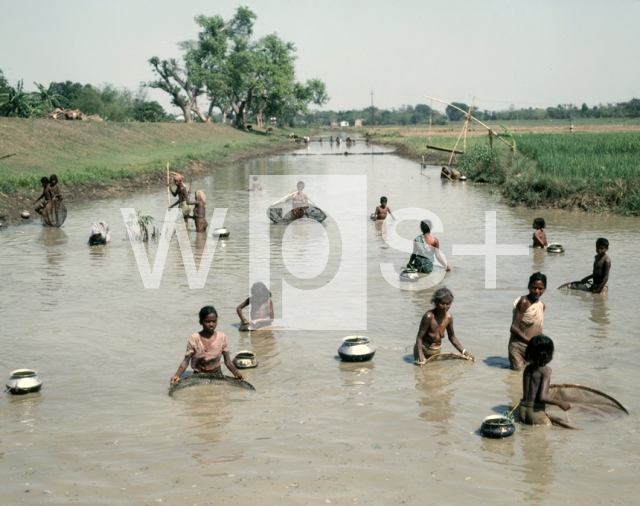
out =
column 199, row 211
column 425, row 247
column 535, row 382
column 601, row 268
column 381, row 211
column 99, row 234
column 528, row 319
column 432, row 327
column 261, row 308
column 206, row 348
column 539, row 237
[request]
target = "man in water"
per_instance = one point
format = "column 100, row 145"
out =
column 601, row 268
column 183, row 196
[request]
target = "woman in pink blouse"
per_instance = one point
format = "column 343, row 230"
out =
column 206, row 348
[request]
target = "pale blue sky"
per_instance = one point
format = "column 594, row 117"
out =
column 502, row 52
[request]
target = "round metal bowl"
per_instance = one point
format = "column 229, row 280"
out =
column 245, row 359
column 497, row 427
column 221, row 232
column 23, row 381
column 25, row 214
column 409, row 275
column 356, row 349
column 555, row 248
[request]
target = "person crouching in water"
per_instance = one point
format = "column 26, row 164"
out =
column 206, row 348
column 432, row 327
column 425, row 249
column 99, row 234
column 261, row 308
column 528, row 320
column 47, row 195
column 535, row 382
column 199, row 211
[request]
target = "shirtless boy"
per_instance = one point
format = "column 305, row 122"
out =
column 539, row 237
column 601, row 268
column 256, row 185
column 432, row 327
column 183, row 196
column 381, row 211
column 47, row 195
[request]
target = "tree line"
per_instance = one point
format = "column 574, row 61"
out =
column 422, row 114
column 107, row 101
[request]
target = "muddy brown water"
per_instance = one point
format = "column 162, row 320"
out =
column 317, row 431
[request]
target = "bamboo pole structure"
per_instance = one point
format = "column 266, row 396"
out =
column 168, row 186
column 463, row 131
column 512, row 147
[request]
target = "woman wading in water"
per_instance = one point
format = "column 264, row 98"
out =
column 261, row 308
column 528, row 319
column 432, row 327
column 425, row 248
column 206, row 348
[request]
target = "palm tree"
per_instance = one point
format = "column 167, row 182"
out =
column 15, row 102
column 49, row 99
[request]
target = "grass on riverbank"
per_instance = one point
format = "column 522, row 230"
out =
column 96, row 153
column 592, row 170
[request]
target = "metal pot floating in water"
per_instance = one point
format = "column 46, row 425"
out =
column 25, row 214
column 245, row 359
column 497, row 426
column 555, row 248
column 410, row 275
column 23, row 381
column 356, row 349
column 222, row 232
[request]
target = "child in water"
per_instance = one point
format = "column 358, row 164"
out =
column 261, row 308
column 539, row 237
column 528, row 319
column 47, row 195
column 256, row 186
column 206, row 348
column 199, row 211
column 601, row 268
column 381, row 211
column 535, row 382
column 432, row 327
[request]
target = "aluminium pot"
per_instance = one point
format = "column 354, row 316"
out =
column 24, row 381
column 497, row 427
column 356, row 349
column 222, row 232
column 410, row 275
column 245, row 359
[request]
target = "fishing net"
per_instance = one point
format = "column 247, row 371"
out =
column 587, row 404
column 287, row 210
column 445, row 356
column 208, row 379
column 54, row 214
column 576, row 285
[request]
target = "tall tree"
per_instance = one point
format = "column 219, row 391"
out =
column 176, row 81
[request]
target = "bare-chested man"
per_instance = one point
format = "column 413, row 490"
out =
column 199, row 211
column 183, row 196
column 601, row 268
column 432, row 327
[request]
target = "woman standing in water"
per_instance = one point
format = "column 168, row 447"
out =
column 206, row 348
column 425, row 248
column 528, row 320
column 261, row 308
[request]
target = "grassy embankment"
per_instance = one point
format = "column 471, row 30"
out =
column 114, row 156
column 597, row 168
